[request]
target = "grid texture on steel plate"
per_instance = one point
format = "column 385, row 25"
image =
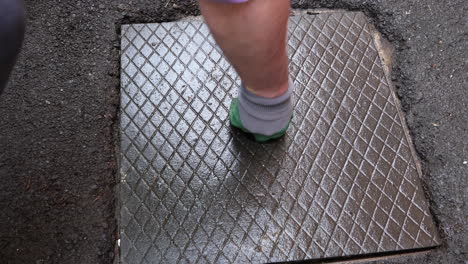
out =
column 343, row 180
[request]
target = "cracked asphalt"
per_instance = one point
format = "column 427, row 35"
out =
column 58, row 136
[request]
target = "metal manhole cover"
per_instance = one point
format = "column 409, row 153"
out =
column 343, row 181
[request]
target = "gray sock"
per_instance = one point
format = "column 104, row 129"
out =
column 265, row 116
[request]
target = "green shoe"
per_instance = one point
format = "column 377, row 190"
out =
column 236, row 122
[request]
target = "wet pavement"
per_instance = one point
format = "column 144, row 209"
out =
column 58, row 125
column 343, row 181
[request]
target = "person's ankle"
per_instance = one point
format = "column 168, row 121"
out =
column 270, row 93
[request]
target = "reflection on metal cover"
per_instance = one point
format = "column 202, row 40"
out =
column 343, row 181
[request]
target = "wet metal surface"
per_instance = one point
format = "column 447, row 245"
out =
column 343, row 181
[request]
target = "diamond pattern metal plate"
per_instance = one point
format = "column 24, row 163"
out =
column 343, row 181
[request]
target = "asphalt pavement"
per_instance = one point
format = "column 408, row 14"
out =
column 58, row 131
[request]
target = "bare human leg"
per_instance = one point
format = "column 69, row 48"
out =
column 252, row 36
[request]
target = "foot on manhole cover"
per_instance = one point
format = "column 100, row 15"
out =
column 343, row 181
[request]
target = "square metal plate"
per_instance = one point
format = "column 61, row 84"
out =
column 343, row 181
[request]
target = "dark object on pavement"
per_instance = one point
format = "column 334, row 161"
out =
column 12, row 26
